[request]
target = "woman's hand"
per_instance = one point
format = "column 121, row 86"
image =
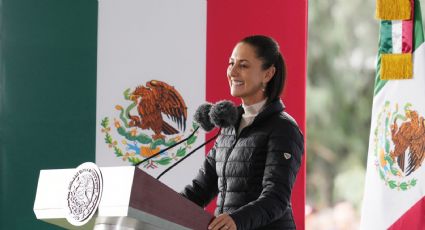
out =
column 222, row 222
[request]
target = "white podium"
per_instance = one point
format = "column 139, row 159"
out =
column 131, row 199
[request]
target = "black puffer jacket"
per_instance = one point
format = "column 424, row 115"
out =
column 253, row 173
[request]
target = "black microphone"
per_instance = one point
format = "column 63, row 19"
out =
column 201, row 117
column 222, row 115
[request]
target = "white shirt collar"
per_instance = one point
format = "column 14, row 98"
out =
column 254, row 109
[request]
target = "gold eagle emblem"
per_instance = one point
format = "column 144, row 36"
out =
column 154, row 100
column 410, row 136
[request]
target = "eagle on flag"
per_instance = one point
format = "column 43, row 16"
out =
column 152, row 101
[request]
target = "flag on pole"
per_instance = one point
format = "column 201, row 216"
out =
column 395, row 179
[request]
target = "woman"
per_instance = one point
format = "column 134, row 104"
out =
column 252, row 167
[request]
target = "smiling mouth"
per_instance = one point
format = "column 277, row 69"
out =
column 237, row 83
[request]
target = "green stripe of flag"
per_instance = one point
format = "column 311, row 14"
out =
column 386, row 41
column 385, row 46
column 418, row 38
column 48, row 106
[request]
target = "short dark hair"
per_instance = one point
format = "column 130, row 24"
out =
column 267, row 49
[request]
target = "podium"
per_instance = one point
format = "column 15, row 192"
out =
column 131, row 199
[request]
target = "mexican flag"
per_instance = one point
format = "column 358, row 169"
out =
column 394, row 196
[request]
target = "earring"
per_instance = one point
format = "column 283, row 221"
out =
column 263, row 86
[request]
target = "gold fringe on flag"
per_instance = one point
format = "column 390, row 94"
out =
column 393, row 9
column 396, row 66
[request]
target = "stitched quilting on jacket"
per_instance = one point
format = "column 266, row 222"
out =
column 252, row 173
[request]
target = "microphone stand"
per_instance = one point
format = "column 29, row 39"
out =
column 169, row 147
column 190, row 153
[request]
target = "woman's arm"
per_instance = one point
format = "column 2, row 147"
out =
column 204, row 186
column 285, row 149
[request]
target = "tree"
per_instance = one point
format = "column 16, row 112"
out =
column 343, row 43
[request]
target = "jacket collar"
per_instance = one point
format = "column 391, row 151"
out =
column 271, row 108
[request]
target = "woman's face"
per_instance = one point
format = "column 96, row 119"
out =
column 246, row 76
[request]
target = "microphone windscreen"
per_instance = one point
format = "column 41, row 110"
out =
column 224, row 114
column 202, row 117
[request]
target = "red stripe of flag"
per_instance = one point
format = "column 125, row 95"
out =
column 413, row 219
column 407, row 32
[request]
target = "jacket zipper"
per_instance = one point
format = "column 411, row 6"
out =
column 223, row 194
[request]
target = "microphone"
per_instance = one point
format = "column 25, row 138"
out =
column 222, row 115
column 201, row 117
